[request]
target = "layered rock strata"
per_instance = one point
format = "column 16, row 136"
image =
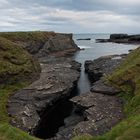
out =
column 57, row 80
column 101, row 108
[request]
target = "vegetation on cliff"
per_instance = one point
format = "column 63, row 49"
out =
column 17, row 69
column 126, row 78
column 36, row 36
column 41, row 43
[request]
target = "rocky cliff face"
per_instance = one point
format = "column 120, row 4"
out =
column 41, row 44
column 101, row 108
column 57, row 80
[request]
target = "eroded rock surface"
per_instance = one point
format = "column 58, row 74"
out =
column 57, row 79
column 102, row 87
column 43, row 43
column 98, row 111
column 102, row 66
column 101, row 113
column 100, row 108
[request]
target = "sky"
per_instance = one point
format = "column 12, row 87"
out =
column 71, row 16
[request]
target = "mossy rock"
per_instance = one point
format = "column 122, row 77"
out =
column 32, row 41
column 16, row 64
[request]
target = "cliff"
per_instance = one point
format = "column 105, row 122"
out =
column 41, row 44
column 126, row 79
column 17, row 69
column 52, row 81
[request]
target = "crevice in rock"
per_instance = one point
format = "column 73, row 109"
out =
column 53, row 117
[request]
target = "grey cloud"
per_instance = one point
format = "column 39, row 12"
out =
column 37, row 14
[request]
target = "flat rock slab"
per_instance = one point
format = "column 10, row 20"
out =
column 101, row 87
column 102, row 113
column 102, row 66
column 56, row 82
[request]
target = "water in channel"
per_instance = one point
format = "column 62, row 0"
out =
column 52, row 121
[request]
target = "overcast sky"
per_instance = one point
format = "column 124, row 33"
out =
column 77, row 16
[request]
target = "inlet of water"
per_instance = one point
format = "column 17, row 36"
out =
column 54, row 119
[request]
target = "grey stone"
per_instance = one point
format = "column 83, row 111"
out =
column 56, row 82
column 101, row 87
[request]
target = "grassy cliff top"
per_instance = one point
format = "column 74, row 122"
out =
column 39, row 36
column 15, row 62
column 126, row 78
column 17, row 69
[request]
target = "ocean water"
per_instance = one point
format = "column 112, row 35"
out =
column 93, row 50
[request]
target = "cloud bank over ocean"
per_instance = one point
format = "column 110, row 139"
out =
column 79, row 16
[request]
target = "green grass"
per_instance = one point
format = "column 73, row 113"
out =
column 17, row 70
column 16, row 64
column 8, row 132
column 126, row 78
column 38, row 36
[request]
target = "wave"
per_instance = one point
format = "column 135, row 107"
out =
column 84, row 47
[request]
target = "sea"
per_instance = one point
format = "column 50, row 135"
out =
column 93, row 50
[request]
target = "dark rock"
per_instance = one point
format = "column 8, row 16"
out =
column 56, row 82
column 102, row 66
column 118, row 36
column 102, row 113
column 102, row 87
column 42, row 43
column 83, row 39
column 58, row 43
column 102, row 40
column 121, row 38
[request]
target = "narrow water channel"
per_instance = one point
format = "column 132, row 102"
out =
column 56, row 118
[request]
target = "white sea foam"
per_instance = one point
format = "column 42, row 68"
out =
column 84, row 47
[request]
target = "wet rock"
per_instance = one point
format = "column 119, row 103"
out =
column 101, row 87
column 102, row 40
column 56, row 82
column 84, row 39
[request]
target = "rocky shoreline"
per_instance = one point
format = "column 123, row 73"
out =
column 58, row 77
column 121, row 38
column 94, row 113
column 99, row 110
